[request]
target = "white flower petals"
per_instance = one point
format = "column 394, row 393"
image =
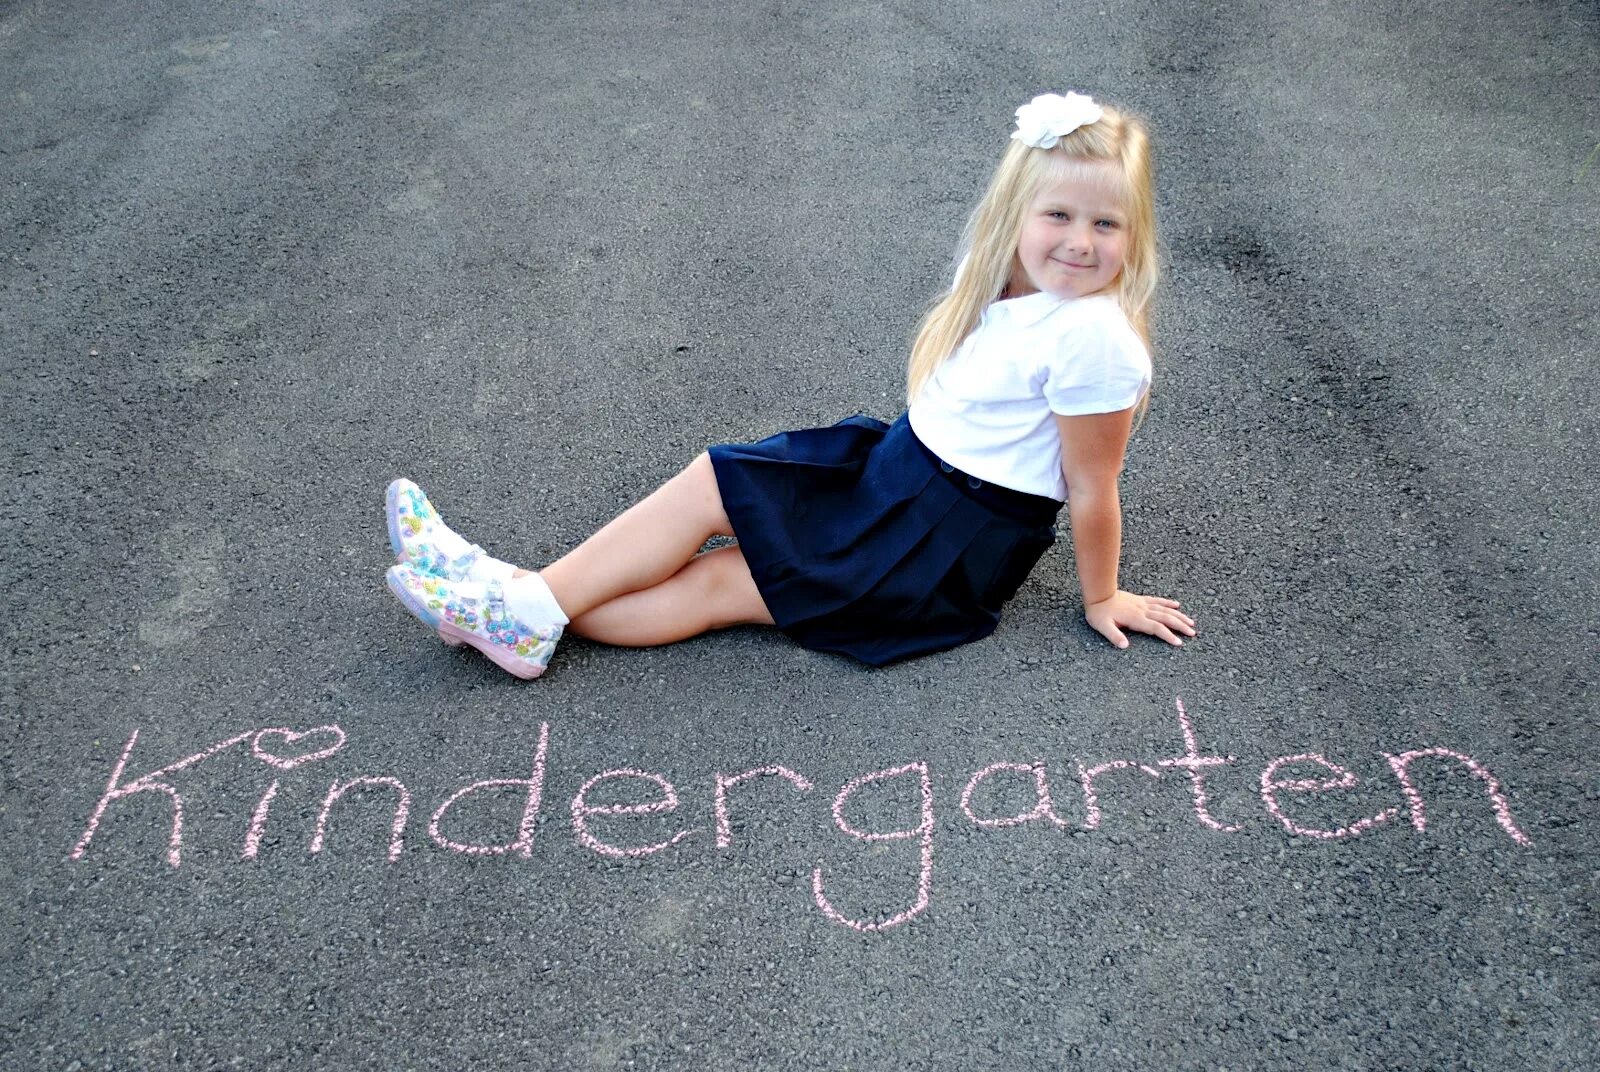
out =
column 1049, row 117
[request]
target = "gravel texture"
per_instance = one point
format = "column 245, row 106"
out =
column 256, row 260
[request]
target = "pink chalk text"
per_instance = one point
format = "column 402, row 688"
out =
column 1283, row 786
column 922, row 831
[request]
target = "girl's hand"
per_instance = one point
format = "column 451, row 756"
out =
column 1144, row 614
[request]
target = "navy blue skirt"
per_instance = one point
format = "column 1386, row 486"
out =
column 864, row 543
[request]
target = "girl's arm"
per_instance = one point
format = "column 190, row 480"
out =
column 1092, row 448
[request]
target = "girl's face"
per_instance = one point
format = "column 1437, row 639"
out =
column 1074, row 237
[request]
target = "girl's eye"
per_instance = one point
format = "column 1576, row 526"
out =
column 1107, row 224
column 1058, row 215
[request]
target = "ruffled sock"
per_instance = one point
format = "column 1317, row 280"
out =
column 530, row 601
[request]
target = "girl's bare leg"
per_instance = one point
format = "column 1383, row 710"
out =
column 634, row 579
column 713, row 591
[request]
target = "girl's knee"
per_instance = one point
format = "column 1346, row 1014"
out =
column 703, row 475
column 702, row 472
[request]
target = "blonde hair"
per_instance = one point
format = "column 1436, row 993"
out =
column 988, row 245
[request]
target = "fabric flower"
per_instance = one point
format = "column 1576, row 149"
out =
column 1048, row 118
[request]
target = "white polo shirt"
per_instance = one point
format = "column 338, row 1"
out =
column 990, row 408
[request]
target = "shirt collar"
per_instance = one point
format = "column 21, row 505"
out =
column 1028, row 309
column 1031, row 309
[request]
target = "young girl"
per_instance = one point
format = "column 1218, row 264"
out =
column 886, row 541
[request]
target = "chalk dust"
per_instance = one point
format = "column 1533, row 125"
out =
column 193, row 557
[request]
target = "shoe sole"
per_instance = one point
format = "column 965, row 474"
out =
column 418, row 609
column 511, row 663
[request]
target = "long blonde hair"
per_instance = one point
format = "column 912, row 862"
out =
column 988, row 245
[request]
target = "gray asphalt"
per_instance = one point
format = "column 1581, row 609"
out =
column 257, row 260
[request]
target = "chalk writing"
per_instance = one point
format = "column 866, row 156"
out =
column 523, row 843
column 285, row 750
column 150, row 783
column 1091, row 801
column 923, row 830
column 258, row 822
column 581, row 810
column 289, row 737
column 1502, row 810
column 1342, row 779
column 1196, row 764
column 725, row 783
column 1043, row 808
column 402, row 809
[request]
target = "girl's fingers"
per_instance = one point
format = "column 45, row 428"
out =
column 1159, row 618
column 1158, row 628
column 1166, row 634
column 1113, row 634
column 1182, row 623
column 1179, row 616
column 1170, row 617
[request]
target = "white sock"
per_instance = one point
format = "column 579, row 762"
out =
column 530, row 600
column 488, row 568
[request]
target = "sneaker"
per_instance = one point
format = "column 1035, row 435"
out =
column 420, row 537
column 474, row 613
column 420, row 593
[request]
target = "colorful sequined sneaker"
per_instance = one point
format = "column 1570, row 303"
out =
column 420, row 537
column 474, row 613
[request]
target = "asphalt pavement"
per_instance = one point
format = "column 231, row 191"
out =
column 257, row 260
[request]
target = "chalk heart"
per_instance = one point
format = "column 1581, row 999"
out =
column 286, row 740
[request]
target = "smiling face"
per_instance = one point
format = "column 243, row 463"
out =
column 1074, row 236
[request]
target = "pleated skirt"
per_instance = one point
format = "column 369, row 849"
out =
column 862, row 542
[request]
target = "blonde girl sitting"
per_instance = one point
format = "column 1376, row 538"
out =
column 886, row 541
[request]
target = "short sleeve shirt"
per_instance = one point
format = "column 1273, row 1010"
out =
column 990, row 408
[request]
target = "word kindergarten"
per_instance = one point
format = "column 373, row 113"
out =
column 1281, row 780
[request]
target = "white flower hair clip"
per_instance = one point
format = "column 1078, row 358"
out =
column 1048, row 118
